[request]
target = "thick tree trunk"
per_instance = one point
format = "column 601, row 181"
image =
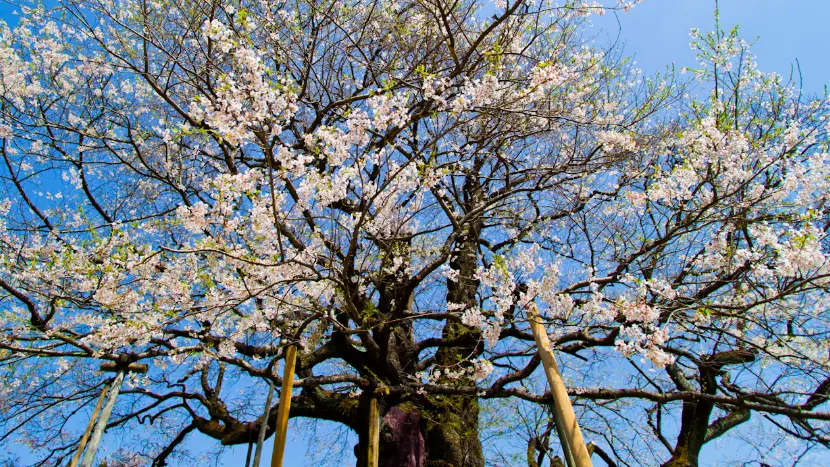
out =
column 428, row 430
column 694, row 424
column 443, row 435
column 452, row 439
column 695, row 429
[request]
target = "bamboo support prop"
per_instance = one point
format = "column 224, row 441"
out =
column 89, row 427
column 114, row 388
column 566, row 448
column 263, row 427
column 285, row 405
column 248, row 456
column 373, row 450
column 563, row 410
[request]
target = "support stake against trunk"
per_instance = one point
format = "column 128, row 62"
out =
column 562, row 408
column 264, row 425
column 115, row 387
column 566, row 448
column 285, row 406
column 373, row 451
column 89, row 427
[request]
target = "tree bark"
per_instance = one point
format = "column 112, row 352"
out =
column 694, row 424
column 428, row 431
column 695, row 429
column 452, row 440
column 445, row 435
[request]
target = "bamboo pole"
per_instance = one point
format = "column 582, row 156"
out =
column 248, row 456
column 264, row 425
column 285, row 406
column 115, row 387
column 562, row 408
column 89, row 426
column 373, row 449
column 563, row 440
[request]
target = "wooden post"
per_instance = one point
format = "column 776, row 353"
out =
column 563, row 440
column 89, row 426
column 264, row 425
column 115, row 387
column 248, row 456
column 562, row 408
column 373, row 449
column 285, row 406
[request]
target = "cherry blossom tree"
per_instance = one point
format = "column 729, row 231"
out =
column 198, row 184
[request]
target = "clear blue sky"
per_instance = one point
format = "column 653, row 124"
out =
column 656, row 33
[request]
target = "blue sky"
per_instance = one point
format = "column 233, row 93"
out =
column 656, row 33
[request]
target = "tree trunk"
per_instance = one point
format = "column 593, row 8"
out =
column 694, row 425
column 452, row 440
column 695, row 430
column 444, row 435
column 428, row 430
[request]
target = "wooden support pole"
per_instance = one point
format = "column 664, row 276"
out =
column 115, row 387
column 101, row 425
column 89, row 426
column 264, row 425
column 285, row 406
column 562, row 408
column 248, row 456
column 373, row 449
column 563, row 440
